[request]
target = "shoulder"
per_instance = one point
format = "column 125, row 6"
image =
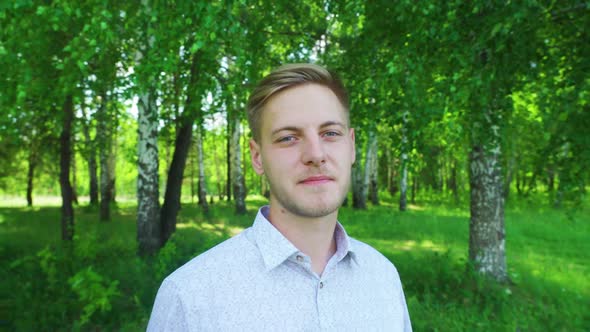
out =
column 218, row 264
column 194, row 288
column 371, row 259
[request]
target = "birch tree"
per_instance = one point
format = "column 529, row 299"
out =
column 148, row 205
column 404, row 160
column 104, row 138
column 201, row 182
column 89, row 152
column 372, row 167
column 238, row 184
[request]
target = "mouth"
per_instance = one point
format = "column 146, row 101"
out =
column 316, row 180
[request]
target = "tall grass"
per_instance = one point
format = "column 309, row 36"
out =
column 99, row 283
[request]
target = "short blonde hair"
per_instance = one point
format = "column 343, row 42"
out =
column 285, row 77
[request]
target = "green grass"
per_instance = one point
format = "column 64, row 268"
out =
column 48, row 286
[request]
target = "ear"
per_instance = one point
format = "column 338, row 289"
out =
column 256, row 157
column 352, row 146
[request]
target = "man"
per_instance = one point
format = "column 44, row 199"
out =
column 295, row 269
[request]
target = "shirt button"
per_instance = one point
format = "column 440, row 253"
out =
column 299, row 258
column 321, row 284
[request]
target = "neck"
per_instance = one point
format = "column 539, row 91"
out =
column 312, row 236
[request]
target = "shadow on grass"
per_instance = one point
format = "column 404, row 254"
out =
column 444, row 294
column 427, row 244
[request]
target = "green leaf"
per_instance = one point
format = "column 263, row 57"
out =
column 22, row 94
column 496, row 29
column 197, row 46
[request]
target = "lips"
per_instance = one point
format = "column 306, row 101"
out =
column 317, row 179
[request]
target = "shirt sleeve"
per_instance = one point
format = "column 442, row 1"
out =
column 168, row 312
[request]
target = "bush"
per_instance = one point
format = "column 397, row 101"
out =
column 94, row 293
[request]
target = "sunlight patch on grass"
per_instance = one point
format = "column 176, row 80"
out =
column 409, row 245
column 415, row 207
column 216, row 228
column 569, row 275
column 233, row 231
column 187, row 225
column 16, row 201
column 547, row 255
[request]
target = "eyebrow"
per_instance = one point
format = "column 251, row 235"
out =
column 293, row 128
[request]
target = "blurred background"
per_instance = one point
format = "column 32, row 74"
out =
column 124, row 150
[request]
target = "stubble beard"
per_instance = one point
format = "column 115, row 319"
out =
column 310, row 210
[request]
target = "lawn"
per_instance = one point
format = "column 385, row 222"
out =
column 98, row 283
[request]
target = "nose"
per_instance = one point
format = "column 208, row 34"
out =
column 313, row 152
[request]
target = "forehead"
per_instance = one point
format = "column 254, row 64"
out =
column 302, row 106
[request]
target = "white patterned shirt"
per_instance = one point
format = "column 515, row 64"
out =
column 259, row 281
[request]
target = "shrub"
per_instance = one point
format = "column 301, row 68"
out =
column 94, row 292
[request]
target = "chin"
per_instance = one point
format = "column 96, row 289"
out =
column 320, row 209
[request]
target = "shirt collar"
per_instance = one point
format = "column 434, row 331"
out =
column 275, row 248
column 343, row 244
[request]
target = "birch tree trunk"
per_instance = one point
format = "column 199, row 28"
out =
column 173, row 192
column 104, row 150
column 65, row 139
column 372, row 168
column 391, row 173
column 237, row 175
column 148, row 206
column 184, row 134
column 359, row 197
column 201, row 184
column 218, row 175
column 403, row 184
column 112, row 163
column 90, row 159
column 486, row 226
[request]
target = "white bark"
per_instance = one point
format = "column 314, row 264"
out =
column 403, row 186
column 236, row 169
column 359, row 197
column 104, row 147
column 148, row 205
column 371, row 167
column 202, row 189
column 486, row 228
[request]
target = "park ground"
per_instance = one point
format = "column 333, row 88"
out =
column 98, row 283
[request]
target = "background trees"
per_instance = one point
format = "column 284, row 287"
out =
column 471, row 122
column 461, row 101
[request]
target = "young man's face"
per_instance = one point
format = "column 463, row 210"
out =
column 306, row 150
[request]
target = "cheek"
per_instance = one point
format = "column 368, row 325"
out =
column 343, row 155
column 277, row 162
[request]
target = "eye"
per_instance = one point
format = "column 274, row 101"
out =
column 331, row 133
column 286, row 139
